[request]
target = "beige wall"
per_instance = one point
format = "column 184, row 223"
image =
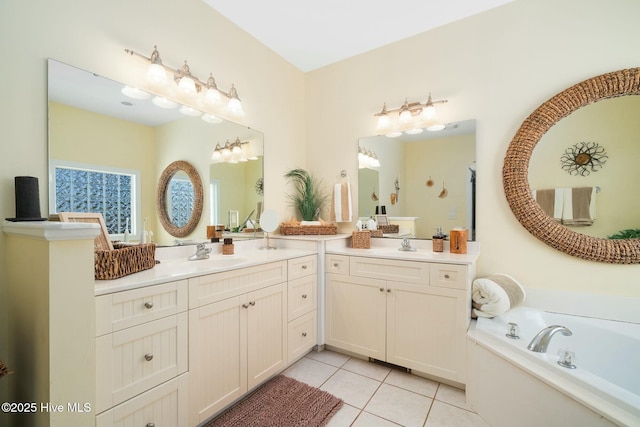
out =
column 496, row 67
column 93, row 36
column 76, row 135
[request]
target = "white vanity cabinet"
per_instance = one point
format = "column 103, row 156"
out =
column 237, row 334
column 302, row 306
column 141, row 356
column 410, row 313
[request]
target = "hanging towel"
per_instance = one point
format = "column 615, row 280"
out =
column 551, row 201
column 341, row 203
column 579, row 206
column 494, row 295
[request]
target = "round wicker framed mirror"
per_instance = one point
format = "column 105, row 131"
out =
column 193, row 202
column 516, row 169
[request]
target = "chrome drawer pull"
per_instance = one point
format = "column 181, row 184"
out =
column 148, row 357
column 148, row 304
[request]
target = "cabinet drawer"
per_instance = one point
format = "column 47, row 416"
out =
column 133, row 360
column 304, row 266
column 302, row 335
column 338, row 264
column 121, row 310
column 302, row 296
column 215, row 287
column 449, row 276
column 390, row 269
column 164, row 406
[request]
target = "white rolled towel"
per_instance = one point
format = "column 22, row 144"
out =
column 495, row 295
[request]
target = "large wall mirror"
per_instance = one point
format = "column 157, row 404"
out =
column 583, row 138
column 104, row 145
column 424, row 181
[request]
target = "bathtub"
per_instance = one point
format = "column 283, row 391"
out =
column 509, row 385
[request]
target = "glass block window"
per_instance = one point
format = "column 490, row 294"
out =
column 181, row 201
column 92, row 188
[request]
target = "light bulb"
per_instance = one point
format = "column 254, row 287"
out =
column 161, row 102
column 235, row 106
column 135, row 93
column 188, row 111
column 405, row 115
column 384, row 122
column 211, row 118
column 157, row 75
column 187, row 86
column 429, row 112
column 216, row 155
column 212, row 96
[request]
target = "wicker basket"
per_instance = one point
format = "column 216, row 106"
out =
column 361, row 239
column 308, row 230
column 124, row 260
column 389, row 229
column 376, row 233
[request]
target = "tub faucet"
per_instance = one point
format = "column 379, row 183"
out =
column 541, row 341
column 202, row 252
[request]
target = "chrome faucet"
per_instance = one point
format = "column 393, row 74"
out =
column 202, row 252
column 541, row 341
column 406, row 246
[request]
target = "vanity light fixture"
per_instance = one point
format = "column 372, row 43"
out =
column 412, row 118
column 367, row 158
column 233, row 152
column 189, row 84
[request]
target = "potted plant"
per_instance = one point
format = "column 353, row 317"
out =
column 307, row 197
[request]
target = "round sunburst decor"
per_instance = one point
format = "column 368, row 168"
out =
column 583, row 158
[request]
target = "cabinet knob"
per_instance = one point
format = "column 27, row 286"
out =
column 151, row 425
column 148, row 357
column 446, row 276
column 148, row 304
column 381, row 289
column 335, row 264
column 245, row 305
column 304, row 296
column 252, row 303
column 304, row 334
column 388, row 290
column 304, row 267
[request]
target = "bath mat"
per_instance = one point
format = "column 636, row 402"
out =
column 281, row 402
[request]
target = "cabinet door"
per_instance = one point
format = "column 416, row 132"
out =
column 302, row 296
column 163, row 406
column 133, row 360
column 266, row 333
column 355, row 314
column 217, row 357
column 426, row 329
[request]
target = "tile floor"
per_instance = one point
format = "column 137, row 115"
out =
column 375, row 395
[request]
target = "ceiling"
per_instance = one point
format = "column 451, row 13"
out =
column 312, row 34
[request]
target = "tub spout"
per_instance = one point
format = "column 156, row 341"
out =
column 541, row 341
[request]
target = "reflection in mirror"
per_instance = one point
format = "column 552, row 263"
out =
column 615, row 204
column 94, row 127
column 179, row 198
column 422, row 166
